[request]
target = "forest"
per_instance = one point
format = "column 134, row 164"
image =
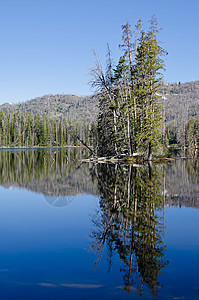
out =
column 23, row 129
column 26, row 130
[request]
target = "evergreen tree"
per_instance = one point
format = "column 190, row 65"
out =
column 148, row 78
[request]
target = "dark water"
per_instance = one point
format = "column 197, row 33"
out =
column 72, row 230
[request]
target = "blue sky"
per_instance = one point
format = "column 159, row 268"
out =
column 46, row 45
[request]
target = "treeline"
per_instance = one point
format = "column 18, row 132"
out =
column 21, row 129
column 185, row 135
column 26, row 130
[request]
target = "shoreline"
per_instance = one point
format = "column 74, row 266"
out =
column 39, row 147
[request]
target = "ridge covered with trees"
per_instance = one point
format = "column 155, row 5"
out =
column 71, row 107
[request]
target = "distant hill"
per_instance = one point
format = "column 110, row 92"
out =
column 71, row 107
column 181, row 101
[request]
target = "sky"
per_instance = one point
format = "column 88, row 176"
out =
column 46, row 45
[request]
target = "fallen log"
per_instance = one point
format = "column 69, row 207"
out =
column 121, row 158
column 136, row 159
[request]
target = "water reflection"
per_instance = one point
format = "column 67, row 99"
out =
column 56, row 173
column 59, row 173
column 60, row 201
column 182, row 183
column 130, row 222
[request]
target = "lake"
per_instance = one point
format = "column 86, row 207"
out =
column 75, row 230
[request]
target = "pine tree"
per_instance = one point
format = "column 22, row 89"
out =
column 148, row 78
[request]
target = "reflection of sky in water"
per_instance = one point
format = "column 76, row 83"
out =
column 44, row 251
column 182, row 225
column 181, row 277
column 59, row 201
column 27, row 220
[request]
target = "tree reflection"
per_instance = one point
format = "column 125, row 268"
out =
column 56, row 173
column 130, row 222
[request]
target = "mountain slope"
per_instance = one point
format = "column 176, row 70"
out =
column 181, row 102
column 71, row 107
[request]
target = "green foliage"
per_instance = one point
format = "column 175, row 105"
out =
column 186, row 136
column 147, row 84
column 192, row 133
column 26, row 130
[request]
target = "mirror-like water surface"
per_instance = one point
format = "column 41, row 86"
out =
column 73, row 230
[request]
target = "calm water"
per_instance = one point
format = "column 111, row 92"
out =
column 72, row 230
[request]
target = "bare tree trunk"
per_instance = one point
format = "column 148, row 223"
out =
column 115, row 129
column 150, row 151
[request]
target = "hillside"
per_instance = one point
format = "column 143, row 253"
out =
column 71, row 107
column 181, row 102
